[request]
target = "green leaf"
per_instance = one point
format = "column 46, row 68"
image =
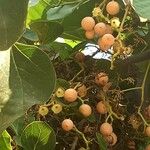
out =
column 63, row 49
column 36, row 11
column 47, row 31
column 101, row 142
column 38, row 135
column 142, row 8
column 30, row 35
column 12, row 18
column 62, row 11
column 27, row 78
column 5, row 141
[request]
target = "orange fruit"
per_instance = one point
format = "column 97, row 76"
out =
column 70, row 95
column 101, row 107
column 67, row 125
column 147, row 131
column 101, row 79
column 108, row 39
column 85, row 110
column 113, row 7
column 100, row 29
column 111, row 139
column 106, row 129
column 102, row 45
column 88, row 23
column 89, row 34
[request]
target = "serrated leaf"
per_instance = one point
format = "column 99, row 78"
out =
column 38, row 135
column 27, row 78
column 5, row 141
column 12, row 18
column 142, row 8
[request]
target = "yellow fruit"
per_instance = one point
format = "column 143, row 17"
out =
column 43, row 110
column 101, row 107
column 56, row 108
column 112, row 8
column 100, row 29
column 106, row 129
column 147, row 131
column 101, row 79
column 70, row 95
column 60, row 92
column 82, row 91
column 89, row 34
column 96, row 12
column 67, row 125
column 85, row 110
column 88, row 23
column 115, row 22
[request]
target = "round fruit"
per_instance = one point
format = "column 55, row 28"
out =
column 100, row 29
column 101, row 79
column 60, row 92
column 108, row 39
column 67, row 125
column 147, row 131
column 90, row 34
column 111, row 139
column 108, row 29
column 147, row 147
column 102, row 45
column 43, row 110
column 112, row 8
column 56, row 108
column 88, row 23
column 96, row 12
column 70, row 95
column 106, row 129
column 115, row 22
column 80, row 57
column 85, row 110
column 82, row 91
column 101, row 107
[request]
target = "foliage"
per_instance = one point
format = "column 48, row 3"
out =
column 33, row 103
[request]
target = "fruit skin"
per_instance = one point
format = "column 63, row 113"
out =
column 108, row 39
column 90, row 34
column 147, row 131
column 147, row 147
column 60, row 92
column 88, row 23
column 80, row 57
column 100, row 29
column 101, row 79
column 56, row 108
column 82, row 91
column 101, row 107
column 102, row 45
column 115, row 22
column 106, row 129
column 108, row 29
column 43, row 110
column 85, row 110
column 70, row 95
column 111, row 139
column 67, row 125
column 112, row 8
